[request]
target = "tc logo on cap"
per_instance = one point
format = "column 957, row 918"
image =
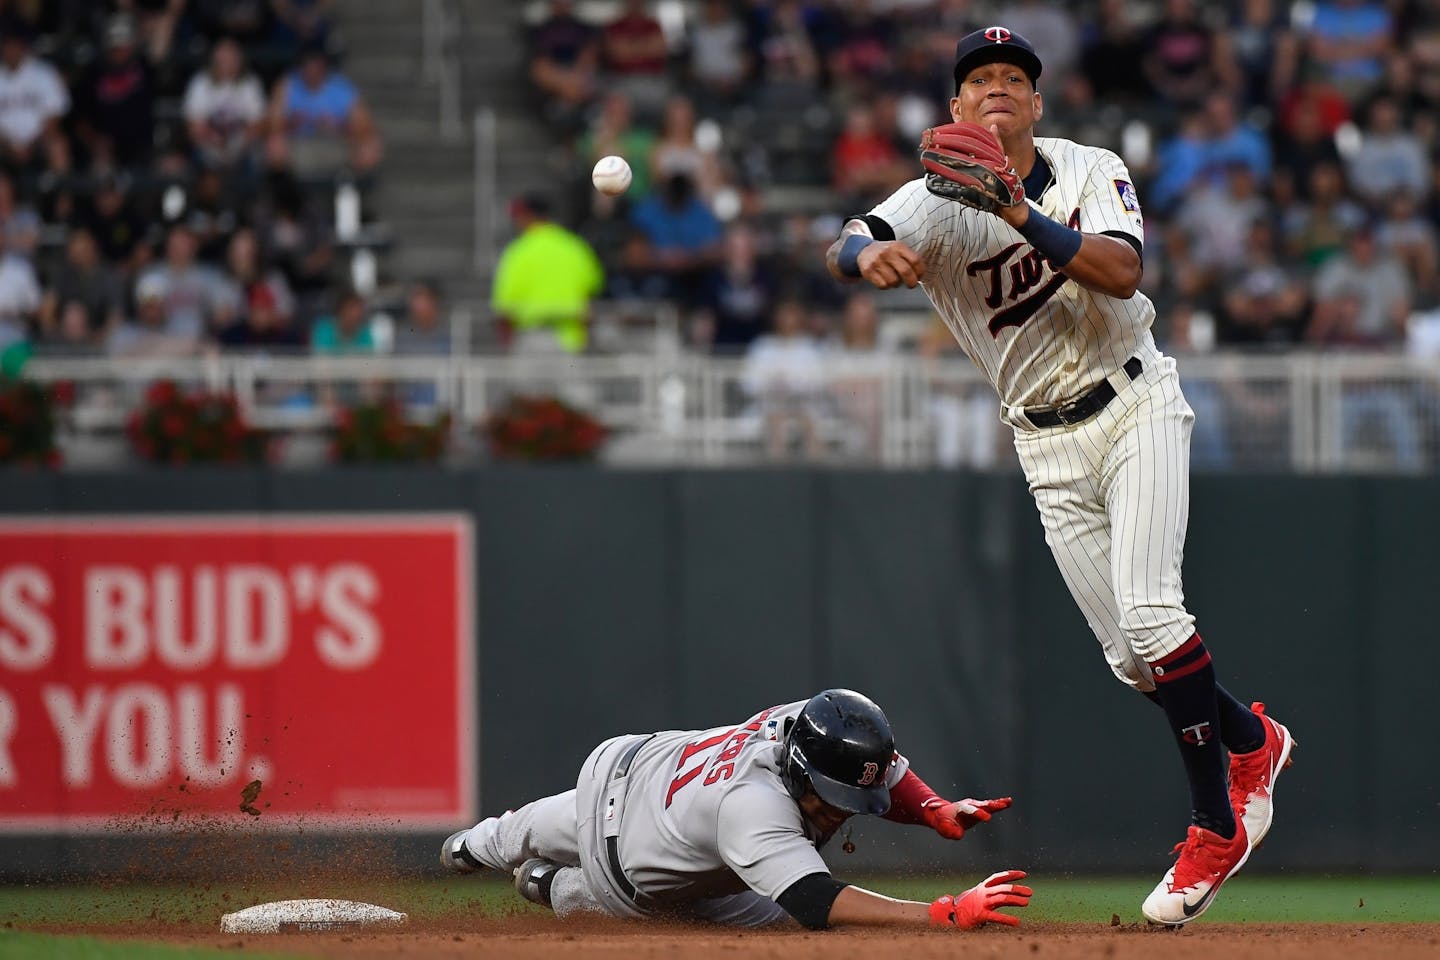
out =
column 997, row 34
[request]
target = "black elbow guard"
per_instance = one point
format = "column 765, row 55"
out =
column 879, row 229
column 810, row 898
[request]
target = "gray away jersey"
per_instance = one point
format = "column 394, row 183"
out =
column 1039, row 337
column 706, row 813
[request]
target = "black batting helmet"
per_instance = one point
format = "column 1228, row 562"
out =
column 841, row 747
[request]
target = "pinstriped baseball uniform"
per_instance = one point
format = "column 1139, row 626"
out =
column 702, row 822
column 1113, row 491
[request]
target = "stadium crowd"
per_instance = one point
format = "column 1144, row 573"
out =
column 169, row 173
column 1284, row 153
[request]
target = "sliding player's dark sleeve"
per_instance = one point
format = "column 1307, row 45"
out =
column 810, row 898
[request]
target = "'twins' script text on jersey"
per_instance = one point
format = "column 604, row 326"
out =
column 1039, row 337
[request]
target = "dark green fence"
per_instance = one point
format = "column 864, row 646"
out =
column 611, row 602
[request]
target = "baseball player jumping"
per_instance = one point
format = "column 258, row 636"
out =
column 725, row 825
column 1030, row 249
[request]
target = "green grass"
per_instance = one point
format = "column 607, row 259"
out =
column 1261, row 899
column 17, row 945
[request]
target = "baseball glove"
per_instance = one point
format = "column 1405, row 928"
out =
column 966, row 163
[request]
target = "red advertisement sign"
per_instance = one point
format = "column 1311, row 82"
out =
column 290, row 669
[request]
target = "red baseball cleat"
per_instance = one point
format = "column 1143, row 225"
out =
column 1253, row 775
column 1206, row 861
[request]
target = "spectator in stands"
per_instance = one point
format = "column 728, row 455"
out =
column 119, row 230
column 1049, row 27
column 19, row 298
column 1362, row 299
column 86, row 282
column 1265, row 52
column 867, row 166
column 153, row 334
column 262, row 324
column 115, row 104
column 614, row 133
column 301, row 23
column 684, row 238
column 19, row 223
column 225, row 111
column 857, row 377
column 1265, row 305
column 347, row 330
column 743, row 294
column 1409, row 236
column 719, row 59
column 1402, row 85
column 1113, row 59
column 246, row 282
column 789, row 62
column 1362, row 296
column 1390, row 160
column 213, row 214
column 300, row 241
column 33, row 101
column 191, row 292
column 1317, row 229
column 422, row 331
column 319, row 122
column 1306, row 145
column 784, row 375
column 247, row 21
column 1314, row 101
column 1183, row 61
column 1205, row 149
column 630, row 277
column 1218, row 220
column 544, row 282
column 564, row 57
column 1349, row 39
column 634, row 44
column 676, row 152
column 860, row 56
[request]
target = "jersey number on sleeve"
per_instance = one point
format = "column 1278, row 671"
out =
column 723, row 765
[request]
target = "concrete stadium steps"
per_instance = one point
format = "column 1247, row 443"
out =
column 425, row 192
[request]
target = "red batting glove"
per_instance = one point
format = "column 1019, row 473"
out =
column 951, row 820
column 980, row 904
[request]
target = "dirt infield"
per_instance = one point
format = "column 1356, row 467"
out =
column 537, row 937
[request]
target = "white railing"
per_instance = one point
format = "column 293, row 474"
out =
column 1303, row 412
column 486, row 144
column 440, row 32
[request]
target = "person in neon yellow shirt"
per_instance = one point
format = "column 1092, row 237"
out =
column 544, row 282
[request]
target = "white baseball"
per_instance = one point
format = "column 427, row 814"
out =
column 611, row 176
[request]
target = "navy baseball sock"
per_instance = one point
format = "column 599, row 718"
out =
column 1240, row 730
column 1185, row 686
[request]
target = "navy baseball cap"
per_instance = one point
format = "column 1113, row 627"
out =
column 995, row 45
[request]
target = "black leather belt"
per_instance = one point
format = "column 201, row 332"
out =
column 612, row 844
column 1084, row 407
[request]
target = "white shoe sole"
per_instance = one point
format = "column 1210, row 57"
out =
column 1287, row 744
column 1204, row 904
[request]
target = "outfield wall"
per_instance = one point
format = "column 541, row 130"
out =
column 607, row 602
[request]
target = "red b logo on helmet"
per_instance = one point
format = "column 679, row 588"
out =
column 997, row 34
column 868, row 777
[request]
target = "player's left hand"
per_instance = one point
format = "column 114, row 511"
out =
column 951, row 820
column 981, row 903
column 966, row 163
